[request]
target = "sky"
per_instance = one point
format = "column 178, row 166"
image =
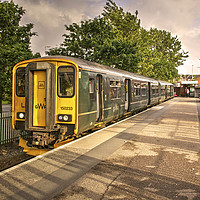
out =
column 180, row 17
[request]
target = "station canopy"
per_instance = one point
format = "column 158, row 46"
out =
column 189, row 82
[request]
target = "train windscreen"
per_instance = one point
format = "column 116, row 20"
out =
column 20, row 82
column 66, row 81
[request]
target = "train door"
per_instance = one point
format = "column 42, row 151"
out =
column 165, row 91
column 171, row 91
column 127, row 94
column 99, row 91
column 39, row 96
column 149, row 93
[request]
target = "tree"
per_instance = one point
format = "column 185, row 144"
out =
column 14, row 44
column 125, row 23
column 116, row 38
column 160, row 54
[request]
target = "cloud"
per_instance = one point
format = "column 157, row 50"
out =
column 50, row 16
column 59, row 11
column 173, row 15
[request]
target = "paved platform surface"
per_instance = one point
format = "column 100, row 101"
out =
column 153, row 155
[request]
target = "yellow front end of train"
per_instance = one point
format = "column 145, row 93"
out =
column 45, row 102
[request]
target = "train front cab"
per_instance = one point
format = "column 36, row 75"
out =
column 45, row 100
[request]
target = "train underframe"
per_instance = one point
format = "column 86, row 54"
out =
column 48, row 140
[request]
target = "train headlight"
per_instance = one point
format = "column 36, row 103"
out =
column 65, row 118
column 60, row 117
column 20, row 115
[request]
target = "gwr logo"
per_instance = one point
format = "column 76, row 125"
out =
column 41, row 84
column 40, row 106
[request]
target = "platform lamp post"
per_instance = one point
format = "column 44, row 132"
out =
column 198, row 67
column 192, row 71
column 46, row 48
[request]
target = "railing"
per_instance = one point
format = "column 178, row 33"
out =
column 7, row 134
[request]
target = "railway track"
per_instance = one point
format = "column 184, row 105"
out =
column 11, row 155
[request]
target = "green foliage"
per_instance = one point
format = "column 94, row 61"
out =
column 160, row 54
column 117, row 39
column 14, row 43
column 126, row 24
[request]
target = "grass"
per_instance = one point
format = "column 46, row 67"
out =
column 5, row 102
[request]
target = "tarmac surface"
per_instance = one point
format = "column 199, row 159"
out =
column 152, row 155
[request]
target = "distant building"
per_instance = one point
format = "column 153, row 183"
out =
column 187, row 85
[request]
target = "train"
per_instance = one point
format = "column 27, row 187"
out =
column 56, row 98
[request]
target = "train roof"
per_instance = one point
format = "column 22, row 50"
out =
column 164, row 82
column 99, row 68
column 92, row 66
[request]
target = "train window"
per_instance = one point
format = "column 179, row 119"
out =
column 168, row 89
column 163, row 90
column 157, row 89
column 144, row 89
column 112, row 83
column 20, row 82
column 118, row 83
column 113, row 93
column 92, row 88
column 153, row 89
column 115, row 89
column 137, row 89
column 119, row 92
column 66, row 81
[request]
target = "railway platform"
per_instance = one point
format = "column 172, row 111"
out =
column 152, row 155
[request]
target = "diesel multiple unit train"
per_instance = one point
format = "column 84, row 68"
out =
column 55, row 98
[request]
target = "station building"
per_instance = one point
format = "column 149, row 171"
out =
column 188, row 85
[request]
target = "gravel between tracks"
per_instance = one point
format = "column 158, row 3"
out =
column 11, row 154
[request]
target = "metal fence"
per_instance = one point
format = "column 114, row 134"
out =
column 7, row 134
